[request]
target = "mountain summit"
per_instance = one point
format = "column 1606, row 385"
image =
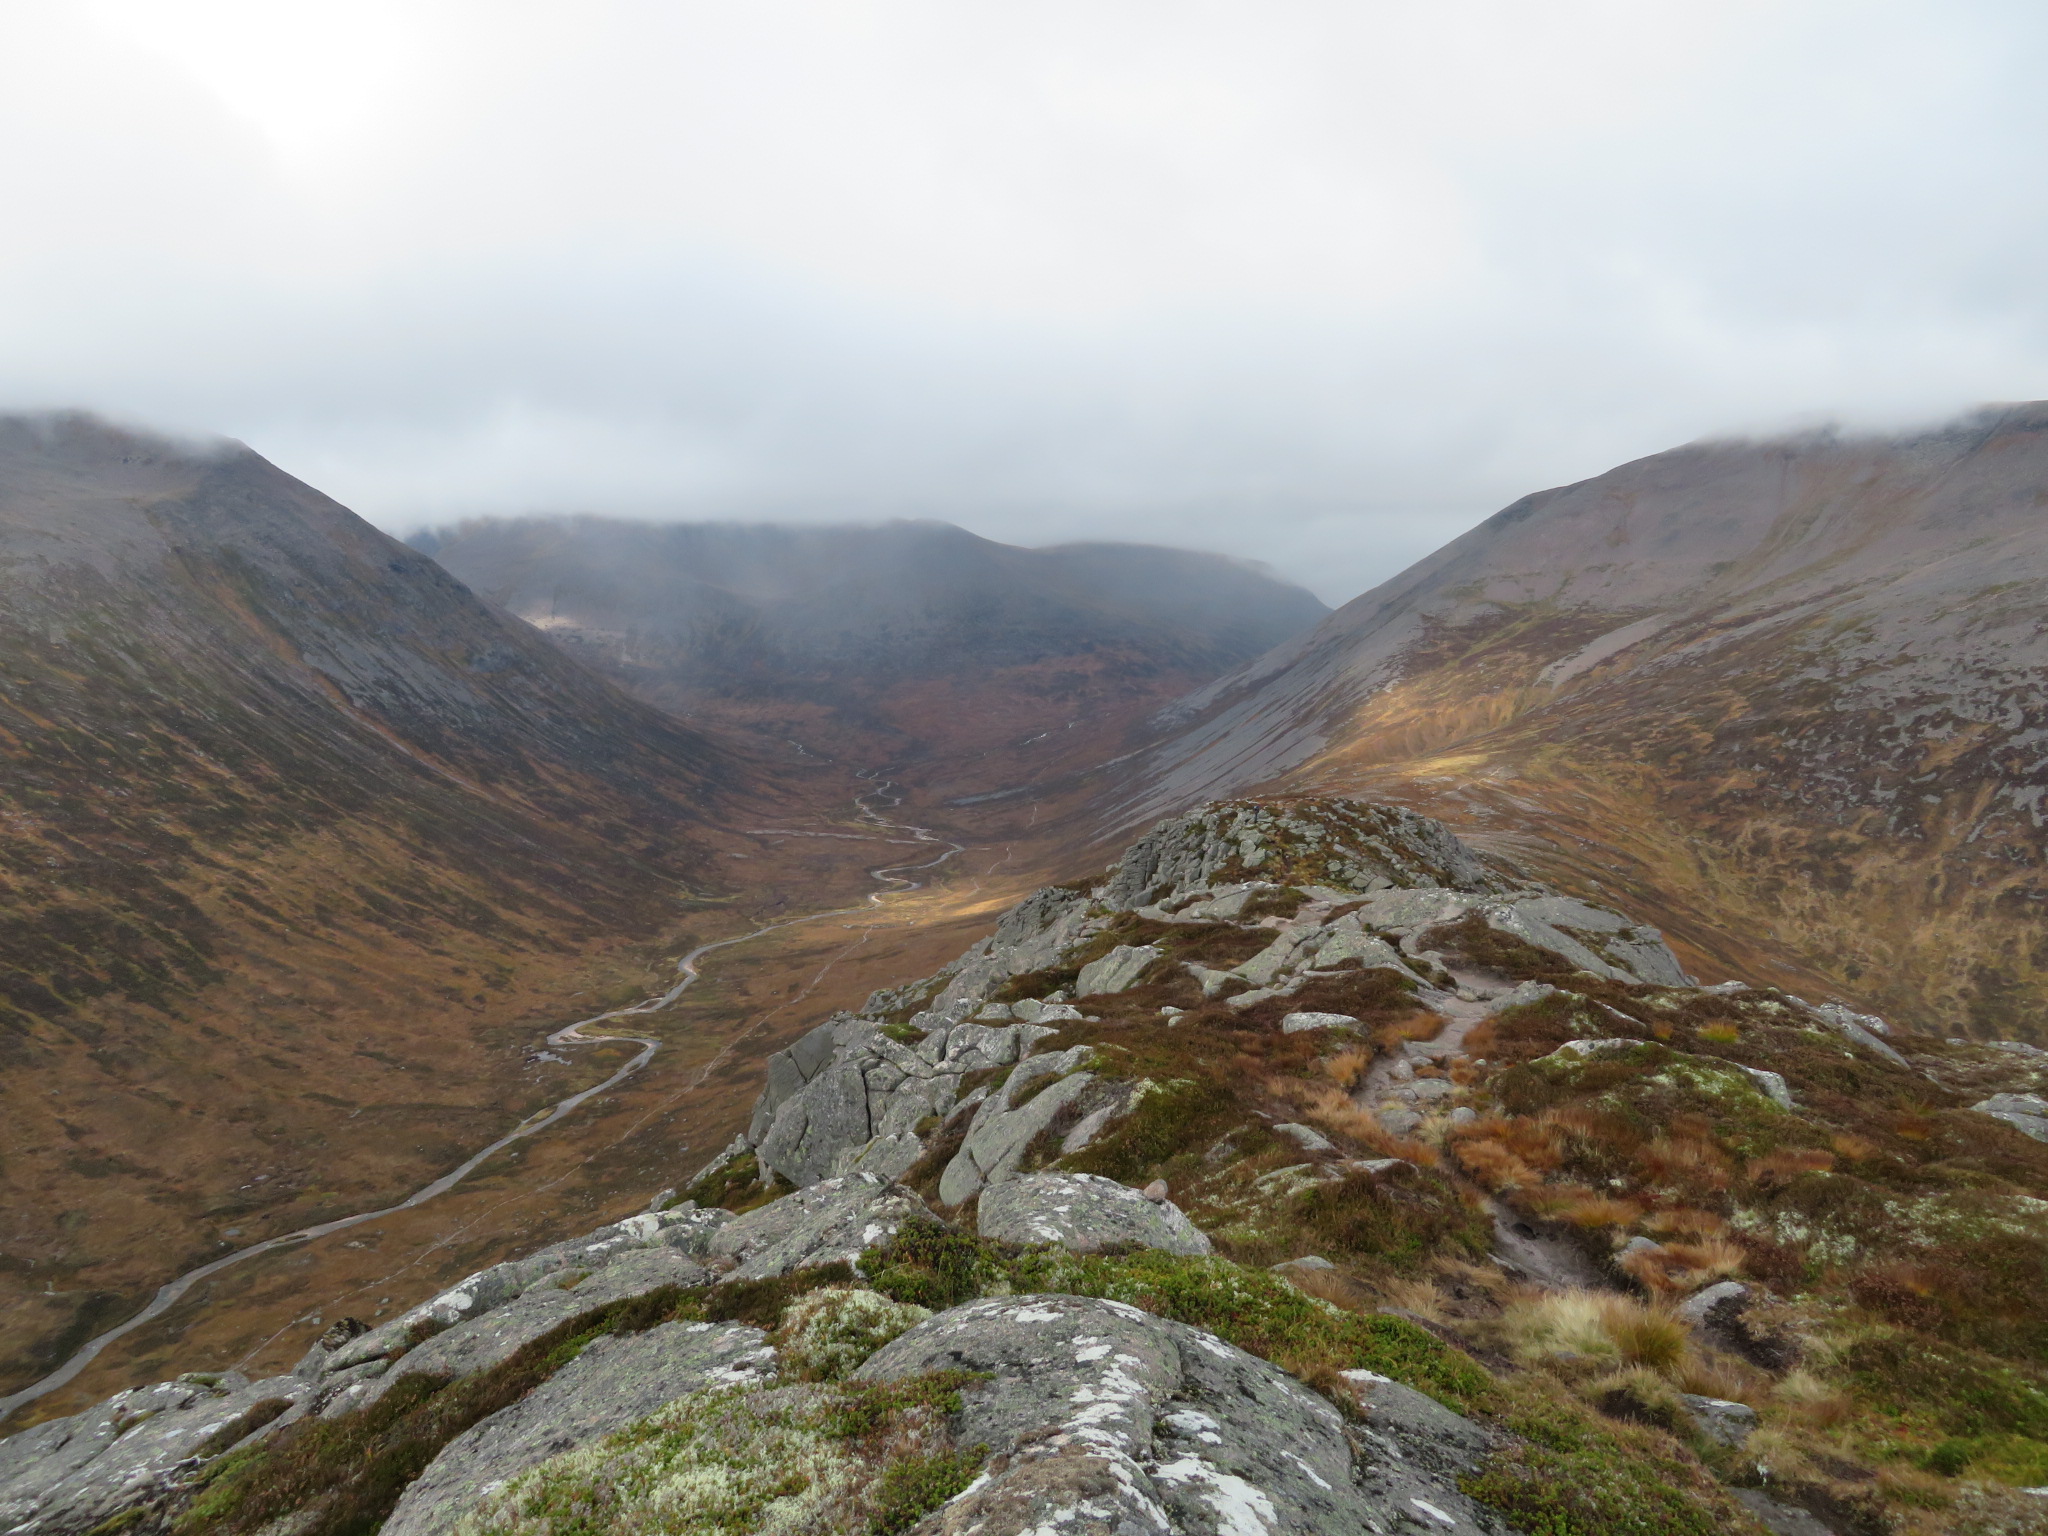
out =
column 1785, row 696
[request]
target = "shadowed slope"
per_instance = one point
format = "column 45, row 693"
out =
column 290, row 824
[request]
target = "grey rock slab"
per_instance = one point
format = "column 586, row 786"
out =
column 686, row 1229
column 1302, row 1023
column 2024, row 1112
column 1347, row 940
column 1860, row 1029
column 995, row 1144
column 829, row 1222
column 1116, row 971
column 1718, row 1419
column 1771, row 1085
column 481, row 1343
column 829, row 1114
column 1281, row 955
column 614, row 1382
column 66, row 1476
column 1106, row 1421
column 1779, row 1519
column 1702, row 1307
column 636, row 1274
column 886, row 1157
column 1306, row 1137
column 1034, row 1011
column 1085, row 1213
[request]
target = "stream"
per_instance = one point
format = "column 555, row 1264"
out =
column 895, row 879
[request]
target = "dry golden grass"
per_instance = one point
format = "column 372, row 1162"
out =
column 1347, row 1068
column 1854, row 1148
column 1691, row 1163
column 1333, row 1286
column 1331, row 1110
column 1805, row 1399
column 1416, row 1026
column 1684, row 1222
column 1677, row 1268
column 1789, row 1162
column 1598, row 1327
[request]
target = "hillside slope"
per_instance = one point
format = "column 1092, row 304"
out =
column 1786, row 698
column 292, row 828
column 968, row 662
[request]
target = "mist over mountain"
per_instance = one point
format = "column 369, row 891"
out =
column 918, row 641
column 1787, row 695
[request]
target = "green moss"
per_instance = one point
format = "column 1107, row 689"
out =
column 1574, row 1475
column 1394, row 1221
column 915, row 1486
column 1264, row 1315
column 1960, row 1392
column 934, row 1266
column 728, row 1185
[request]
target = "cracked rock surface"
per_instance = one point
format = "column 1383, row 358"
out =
column 1104, row 1419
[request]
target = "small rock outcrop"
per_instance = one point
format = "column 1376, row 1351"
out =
column 828, row 1223
column 1086, row 1214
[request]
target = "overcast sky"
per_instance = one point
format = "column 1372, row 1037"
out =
column 1321, row 282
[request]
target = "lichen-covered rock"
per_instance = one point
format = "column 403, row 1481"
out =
column 1106, row 1421
column 828, row 1332
column 1085, row 1213
column 66, row 1476
column 858, row 1109
column 685, row 1229
column 1719, row 1420
column 482, row 1342
column 613, row 1382
column 1116, row 971
column 830, row 1222
column 1008, row 1120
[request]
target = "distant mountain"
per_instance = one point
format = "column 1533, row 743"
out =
column 910, row 641
column 288, row 821
column 1790, row 698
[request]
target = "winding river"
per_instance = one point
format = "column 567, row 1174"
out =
column 895, row 880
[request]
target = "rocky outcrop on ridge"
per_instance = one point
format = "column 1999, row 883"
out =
column 1368, row 883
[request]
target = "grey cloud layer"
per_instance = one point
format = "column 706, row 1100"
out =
column 1317, row 283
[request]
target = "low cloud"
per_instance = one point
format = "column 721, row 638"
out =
column 1316, row 283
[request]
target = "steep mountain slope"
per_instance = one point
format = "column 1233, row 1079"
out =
column 292, row 828
column 915, row 643
column 1786, row 698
